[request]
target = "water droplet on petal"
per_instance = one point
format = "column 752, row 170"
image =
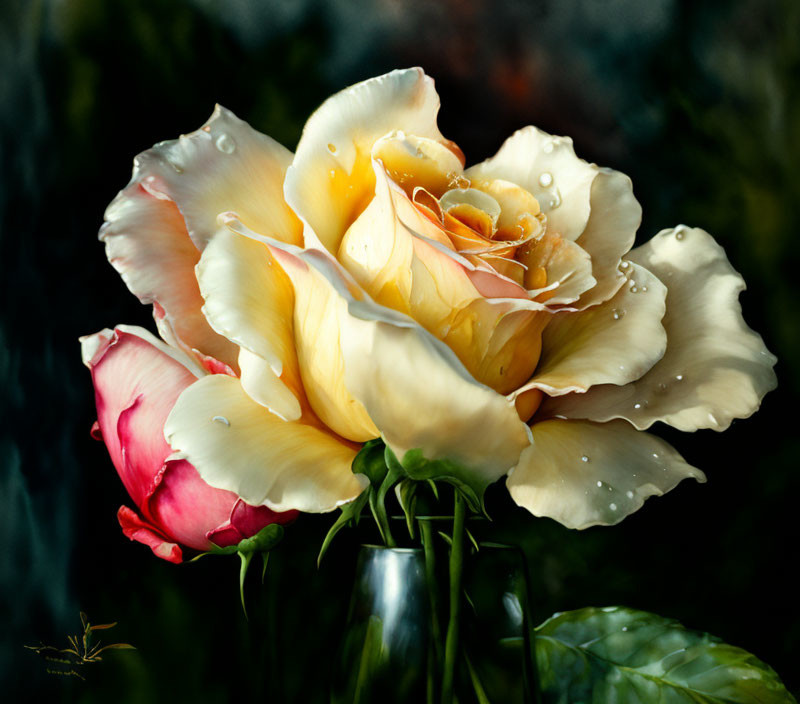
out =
column 333, row 173
column 546, row 179
column 226, row 144
column 634, row 289
column 332, row 148
column 584, row 458
column 655, row 455
column 618, row 313
column 624, row 629
column 547, row 147
column 624, row 265
column 637, row 406
column 679, row 377
column 629, row 494
column 613, row 507
column 679, row 235
column 221, row 419
column 599, row 484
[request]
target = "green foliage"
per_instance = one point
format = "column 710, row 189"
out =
column 617, row 654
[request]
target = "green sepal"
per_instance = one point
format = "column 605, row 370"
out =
column 371, row 463
column 619, row 654
column 415, row 466
column 406, row 492
column 350, row 513
column 246, row 558
column 263, row 541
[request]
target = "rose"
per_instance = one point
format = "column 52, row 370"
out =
column 137, row 379
column 482, row 322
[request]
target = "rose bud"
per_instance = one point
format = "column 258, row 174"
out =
column 137, row 379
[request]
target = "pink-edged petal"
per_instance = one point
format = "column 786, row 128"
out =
column 715, row 367
column 331, row 179
column 147, row 243
column 238, row 445
column 135, row 528
column 611, row 343
column 585, row 474
column 136, row 379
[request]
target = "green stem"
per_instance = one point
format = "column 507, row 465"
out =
column 435, row 659
column 456, row 569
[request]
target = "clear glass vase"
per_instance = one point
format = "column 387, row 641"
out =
column 389, row 653
column 384, row 655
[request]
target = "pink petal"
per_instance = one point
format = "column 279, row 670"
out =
column 136, row 385
column 135, row 528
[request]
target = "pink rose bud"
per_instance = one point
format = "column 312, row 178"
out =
column 137, row 379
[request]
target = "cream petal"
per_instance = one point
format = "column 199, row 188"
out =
column 614, row 218
column 331, row 179
column 225, row 165
column 238, row 445
column 147, row 243
column 715, row 367
column 611, row 343
column 260, row 383
column 547, row 167
column 584, row 474
column 413, row 387
column 248, row 297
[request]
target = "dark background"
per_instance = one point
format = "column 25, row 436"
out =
column 697, row 102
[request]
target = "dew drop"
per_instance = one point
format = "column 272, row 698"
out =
column 599, row 484
column 629, row 494
column 637, row 406
column 613, row 507
column 546, row 179
column 225, row 144
column 655, row 455
column 624, row 265
column 679, row 377
column 634, row 289
column 624, row 629
column 547, row 148
column 221, row 419
column 333, row 173
column 644, row 289
column 584, row 458
column 679, row 235
column 332, row 148
column 618, row 313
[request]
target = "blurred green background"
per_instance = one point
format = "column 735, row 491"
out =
column 698, row 102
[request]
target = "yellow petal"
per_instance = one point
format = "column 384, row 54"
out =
column 715, row 367
column 331, row 179
column 585, row 474
column 415, row 390
column 394, row 253
column 238, row 445
column 612, row 343
column 566, row 265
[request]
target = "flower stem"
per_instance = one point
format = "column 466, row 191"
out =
column 456, row 569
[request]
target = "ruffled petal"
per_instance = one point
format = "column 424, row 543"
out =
column 584, row 474
column 547, row 167
column 250, row 300
column 136, row 379
column 614, row 218
column 238, row 445
column 396, row 255
column 331, row 179
column 135, row 528
column 615, row 342
column 715, row 367
column 413, row 387
column 177, row 189
column 147, row 243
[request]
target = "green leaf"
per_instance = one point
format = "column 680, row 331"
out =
column 622, row 655
column 414, row 465
column 350, row 514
